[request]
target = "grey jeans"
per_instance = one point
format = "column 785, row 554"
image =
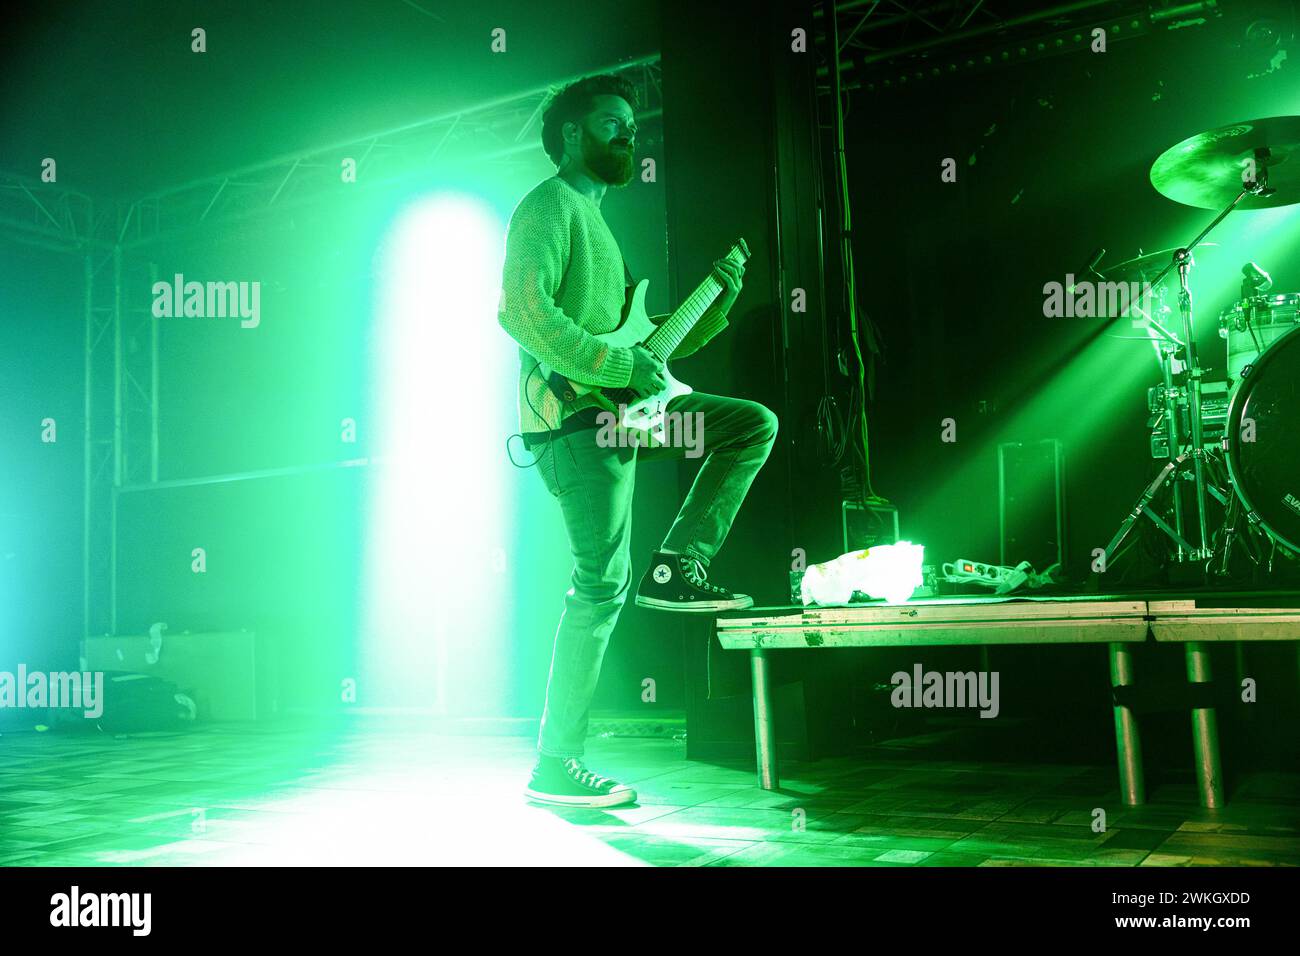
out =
column 594, row 485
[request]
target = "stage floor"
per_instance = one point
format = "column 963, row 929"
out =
column 375, row 792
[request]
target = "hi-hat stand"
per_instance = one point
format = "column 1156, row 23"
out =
column 1171, row 348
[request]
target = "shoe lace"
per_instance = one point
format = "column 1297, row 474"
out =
column 582, row 775
column 694, row 572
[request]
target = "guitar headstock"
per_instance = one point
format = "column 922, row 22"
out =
column 739, row 252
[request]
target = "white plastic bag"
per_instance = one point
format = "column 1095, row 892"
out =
column 888, row 571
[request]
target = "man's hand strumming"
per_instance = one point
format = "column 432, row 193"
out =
column 647, row 373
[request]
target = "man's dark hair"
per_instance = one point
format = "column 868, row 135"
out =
column 569, row 104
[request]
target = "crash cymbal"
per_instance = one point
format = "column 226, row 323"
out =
column 1205, row 170
column 1148, row 265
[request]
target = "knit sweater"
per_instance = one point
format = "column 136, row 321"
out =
column 562, row 285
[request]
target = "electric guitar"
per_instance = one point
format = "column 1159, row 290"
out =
column 635, row 328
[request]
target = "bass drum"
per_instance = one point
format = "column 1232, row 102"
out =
column 1261, row 440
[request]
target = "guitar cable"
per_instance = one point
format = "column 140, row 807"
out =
column 550, row 432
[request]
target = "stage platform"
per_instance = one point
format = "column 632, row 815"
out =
column 1117, row 621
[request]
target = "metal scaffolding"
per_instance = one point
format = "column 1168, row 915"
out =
column 121, row 361
column 889, row 44
column 499, row 131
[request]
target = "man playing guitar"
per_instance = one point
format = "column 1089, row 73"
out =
column 563, row 287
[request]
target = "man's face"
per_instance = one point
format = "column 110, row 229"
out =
column 609, row 139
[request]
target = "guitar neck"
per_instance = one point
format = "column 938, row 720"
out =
column 665, row 339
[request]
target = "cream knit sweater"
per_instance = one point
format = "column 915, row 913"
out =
column 562, row 285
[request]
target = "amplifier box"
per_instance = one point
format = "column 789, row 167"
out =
column 1031, row 503
column 222, row 671
column 869, row 525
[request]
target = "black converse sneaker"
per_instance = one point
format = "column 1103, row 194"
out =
column 567, row 783
column 676, row 582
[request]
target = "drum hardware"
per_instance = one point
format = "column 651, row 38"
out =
column 1214, row 415
column 1254, row 280
column 1171, row 366
column 1143, row 507
column 1143, row 268
column 1254, row 323
column 1181, row 409
column 1175, row 471
column 1249, row 541
column 1236, row 164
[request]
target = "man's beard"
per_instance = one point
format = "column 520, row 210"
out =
column 614, row 166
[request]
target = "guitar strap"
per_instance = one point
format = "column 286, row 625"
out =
column 558, row 383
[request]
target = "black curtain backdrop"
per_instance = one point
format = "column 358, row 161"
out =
column 1052, row 162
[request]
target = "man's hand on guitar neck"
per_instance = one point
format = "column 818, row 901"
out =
column 732, row 275
column 647, row 373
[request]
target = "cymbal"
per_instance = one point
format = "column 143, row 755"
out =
column 1205, row 170
column 1148, row 265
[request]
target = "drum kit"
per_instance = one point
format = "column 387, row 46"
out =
column 1232, row 442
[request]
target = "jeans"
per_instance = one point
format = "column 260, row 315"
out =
column 594, row 485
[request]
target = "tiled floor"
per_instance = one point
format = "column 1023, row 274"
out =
column 379, row 794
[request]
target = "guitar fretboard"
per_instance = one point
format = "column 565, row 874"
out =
column 665, row 339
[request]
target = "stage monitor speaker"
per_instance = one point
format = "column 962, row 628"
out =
column 866, row 526
column 1031, row 503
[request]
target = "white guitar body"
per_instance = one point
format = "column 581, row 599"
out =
column 647, row 414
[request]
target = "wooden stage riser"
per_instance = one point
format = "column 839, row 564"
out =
column 1081, row 622
column 970, row 636
column 1119, row 624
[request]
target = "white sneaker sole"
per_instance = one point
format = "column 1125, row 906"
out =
column 615, row 799
column 695, row 607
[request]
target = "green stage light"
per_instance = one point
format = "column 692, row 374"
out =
column 435, row 581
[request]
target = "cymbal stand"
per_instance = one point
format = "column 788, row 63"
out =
column 1182, row 261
